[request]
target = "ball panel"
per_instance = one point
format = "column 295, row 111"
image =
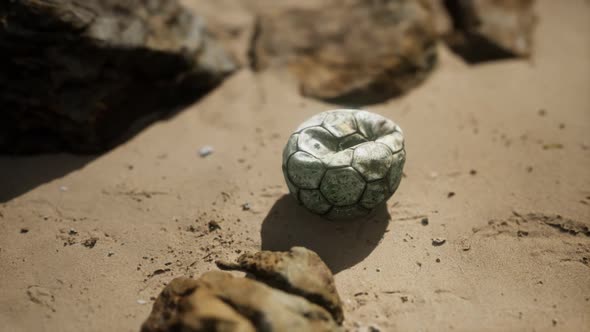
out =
column 342, row 186
column 317, row 141
column 290, row 148
column 372, row 160
column 305, row 171
column 372, row 125
column 340, row 123
column 396, row 171
column 293, row 190
column 376, row 193
column 351, row 141
column 314, row 121
column 394, row 141
column 314, row 201
column 339, row 159
column 347, row 212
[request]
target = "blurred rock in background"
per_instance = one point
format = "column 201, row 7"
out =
column 78, row 74
column 491, row 29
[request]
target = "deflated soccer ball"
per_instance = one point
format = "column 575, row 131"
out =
column 343, row 163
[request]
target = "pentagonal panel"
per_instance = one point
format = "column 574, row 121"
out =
column 395, row 172
column 351, row 141
column 340, row 123
column 305, row 171
column 394, row 141
column 372, row 125
column 342, row 186
column 290, row 148
column 338, row 159
column 376, row 193
column 372, row 160
column 347, row 212
column 314, row 201
column 317, row 141
column 293, row 190
column 314, row 121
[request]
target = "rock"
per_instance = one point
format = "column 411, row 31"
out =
column 218, row 301
column 353, row 51
column 77, row 74
column 491, row 29
column 298, row 271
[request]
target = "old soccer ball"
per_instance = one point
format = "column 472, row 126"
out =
column 343, row 163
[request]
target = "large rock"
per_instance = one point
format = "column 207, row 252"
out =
column 218, row 301
column 354, row 51
column 77, row 73
column 298, row 271
column 491, row 29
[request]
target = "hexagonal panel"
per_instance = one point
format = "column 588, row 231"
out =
column 314, row 201
column 342, row 186
column 373, row 125
column 372, row 160
column 290, row 148
column 396, row 171
column 351, row 141
column 338, row 159
column 340, row 123
column 314, row 121
column 317, row 141
column 394, row 141
column 293, row 190
column 376, row 193
column 347, row 212
column 305, row 171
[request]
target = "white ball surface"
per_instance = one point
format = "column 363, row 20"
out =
column 343, row 163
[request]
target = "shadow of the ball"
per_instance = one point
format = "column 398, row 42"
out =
column 341, row 244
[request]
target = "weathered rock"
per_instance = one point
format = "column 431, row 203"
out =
column 491, row 29
column 298, row 271
column 76, row 74
column 282, row 296
column 352, row 51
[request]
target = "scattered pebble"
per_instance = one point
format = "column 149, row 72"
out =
column 424, row 221
column 542, row 112
column 450, row 194
column 562, row 126
column 205, row 151
column 213, row 226
column 142, row 302
column 520, row 233
column 110, row 253
column 437, row 241
column 24, row 230
column 554, row 321
column 437, row 260
column 63, row 188
column 529, row 169
column 404, row 299
column 72, row 231
column 473, row 172
column 378, row 269
column 246, row 206
column 90, row 243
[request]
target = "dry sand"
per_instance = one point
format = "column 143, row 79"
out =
column 148, row 203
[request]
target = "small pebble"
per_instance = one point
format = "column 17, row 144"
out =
column 140, row 301
column 246, row 206
column 438, row 260
column 205, row 151
column 450, row 194
column 63, row 188
column 472, row 172
column 438, row 241
column 424, row 221
column 24, row 230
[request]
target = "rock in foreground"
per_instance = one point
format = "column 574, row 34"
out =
column 491, row 29
column 352, row 51
column 76, row 74
column 281, row 296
